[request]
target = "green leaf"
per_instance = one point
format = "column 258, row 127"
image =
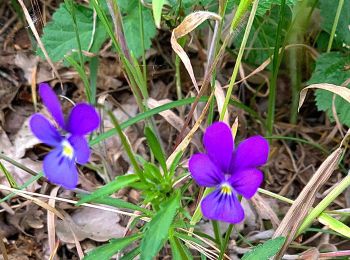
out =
column 59, row 37
column 105, row 252
column 266, row 250
column 110, row 188
column 157, row 6
column 131, row 255
column 266, row 5
column 155, row 148
column 262, row 37
column 328, row 10
column 131, row 25
column 157, row 229
column 118, row 203
column 334, row 224
column 179, row 250
column 332, row 68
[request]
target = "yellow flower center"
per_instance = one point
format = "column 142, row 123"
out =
column 68, row 150
column 226, row 189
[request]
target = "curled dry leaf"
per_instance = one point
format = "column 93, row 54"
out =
column 341, row 91
column 191, row 22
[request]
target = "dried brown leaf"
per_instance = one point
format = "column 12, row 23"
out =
column 191, row 22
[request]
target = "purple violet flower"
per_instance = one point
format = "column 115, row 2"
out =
column 230, row 171
column 60, row 164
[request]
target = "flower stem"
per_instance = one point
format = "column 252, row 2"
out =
column 217, row 233
column 277, row 56
column 242, row 10
column 225, row 243
column 335, row 23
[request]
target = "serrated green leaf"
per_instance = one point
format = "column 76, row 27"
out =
column 266, row 5
column 110, row 188
column 332, row 68
column 131, row 25
column 266, row 250
column 157, row 229
column 328, row 10
column 262, row 37
column 157, row 6
column 59, row 37
column 105, row 252
column 155, row 148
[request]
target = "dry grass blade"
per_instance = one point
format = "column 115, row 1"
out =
column 190, row 23
column 220, row 100
column 51, row 219
column 301, row 206
column 341, row 91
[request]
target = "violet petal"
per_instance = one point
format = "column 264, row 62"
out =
column 52, row 103
column 44, row 130
column 60, row 169
column 251, row 153
column 246, row 182
column 222, row 207
column 218, row 143
column 81, row 148
column 83, row 119
column 204, row 172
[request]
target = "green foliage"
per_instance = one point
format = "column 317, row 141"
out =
column 157, row 6
column 328, row 10
column 110, row 188
column 120, row 204
column 266, row 5
column 178, row 249
column 157, row 230
column 132, row 30
column 156, row 148
column 262, row 37
column 332, row 68
column 105, row 252
column 266, row 250
column 59, row 37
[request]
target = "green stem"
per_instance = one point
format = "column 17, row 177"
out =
column 241, row 50
column 126, row 146
column 276, row 63
column 71, row 9
column 335, row 24
column 225, row 243
column 217, row 232
column 142, row 30
column 344, row 184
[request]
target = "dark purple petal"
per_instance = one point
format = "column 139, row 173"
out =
column 52, row 103
column 222, row 207
column 251, row 153
column 44, row 130
column 83, row 119
column 204, row 172
column 218, row 143
column 246, row 182
column 60, row 169
column 81, row 148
